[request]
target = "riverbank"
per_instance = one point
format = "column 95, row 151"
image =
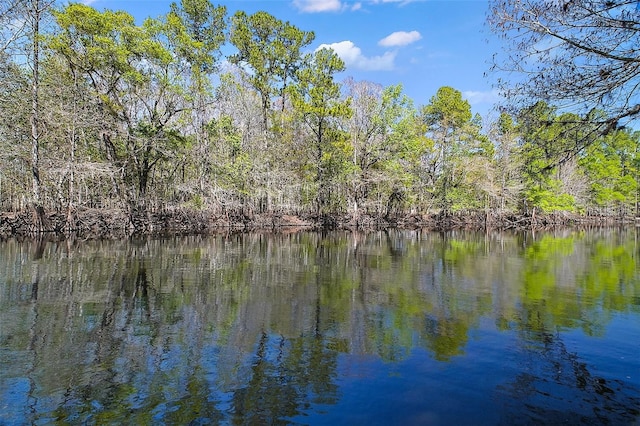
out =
column 94, row 223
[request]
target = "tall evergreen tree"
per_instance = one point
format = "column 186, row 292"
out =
column 317, row 99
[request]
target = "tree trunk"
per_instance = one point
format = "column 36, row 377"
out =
column 37, row 207
column 72, row 159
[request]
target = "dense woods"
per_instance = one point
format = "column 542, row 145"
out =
column 101, row 113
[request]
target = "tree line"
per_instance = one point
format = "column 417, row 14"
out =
column 98, row 111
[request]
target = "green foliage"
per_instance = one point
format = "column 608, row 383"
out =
column 549, row 199
column 317, row 100
column 137, row 74
column 447, row 111
column 195, row 30
column 232, row 164
column 547, row 139
column 271, row 49
column 547, row 151
column 457, row 142
column 106, row 45
column 611, row 165
column 387, row 139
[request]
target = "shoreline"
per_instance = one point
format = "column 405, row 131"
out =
column 114, row 223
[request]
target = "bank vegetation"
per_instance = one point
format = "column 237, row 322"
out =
column 109, row 125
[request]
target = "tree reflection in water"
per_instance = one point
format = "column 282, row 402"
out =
column 265, row 328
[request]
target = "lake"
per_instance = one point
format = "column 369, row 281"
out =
column 377, row 328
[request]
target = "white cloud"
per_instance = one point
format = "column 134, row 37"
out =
column 313, row 6
column 356, row 6
column 353, row 57
column 400, row 38
column 482, row 97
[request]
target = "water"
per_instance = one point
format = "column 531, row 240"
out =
column 404, row 327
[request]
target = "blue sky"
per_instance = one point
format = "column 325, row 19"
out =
column 421, row 44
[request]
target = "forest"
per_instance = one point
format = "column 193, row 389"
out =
column 106, row 122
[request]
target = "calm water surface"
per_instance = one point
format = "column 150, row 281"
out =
column 389, row 328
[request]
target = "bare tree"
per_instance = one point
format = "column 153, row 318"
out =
column 577, row 54
column 12, row 24
column 35, row 13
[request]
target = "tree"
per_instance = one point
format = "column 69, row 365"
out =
column 141, row 76
column 34, row 15
column 10, row 10
column 240, row 105
column 269, row 54
column 611, row 165
column 456, row 137
column 14, row 131
column 196, row 29
column 508, row 165
column 21, row 33
column 574, row 53
column 384, row 130
column 76, row 175
column 35, row 18
column 272, row 50
column 196, row 32
column 231, row 170
column 316, row 98
column 550, row 172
